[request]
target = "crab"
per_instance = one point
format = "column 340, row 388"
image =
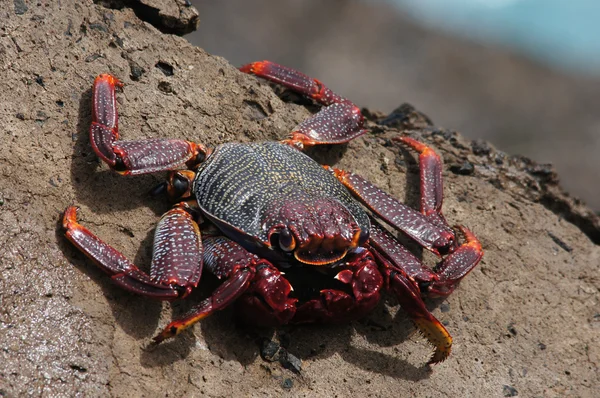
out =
column 248, row 213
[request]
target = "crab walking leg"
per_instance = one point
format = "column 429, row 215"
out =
column 434, row 237
column 133, row 157
column 430, row 170
column 338, row 122
column 243, row 272
column 176, row 263
column 446, row 275
column 293, row 80
column 409, row 296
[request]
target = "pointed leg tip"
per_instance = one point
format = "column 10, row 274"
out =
column 254, row 67
column 167, row 333
column 110, row 79
column 439, row 356
column 70, row 217
column 438, row 336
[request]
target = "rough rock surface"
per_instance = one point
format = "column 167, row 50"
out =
column 525, row 322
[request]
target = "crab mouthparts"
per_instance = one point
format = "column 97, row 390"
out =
column 326, row 251
column 320, row 258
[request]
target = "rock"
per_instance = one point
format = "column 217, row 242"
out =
column 65, row 329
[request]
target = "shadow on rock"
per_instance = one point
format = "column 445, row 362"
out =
column 99, row 188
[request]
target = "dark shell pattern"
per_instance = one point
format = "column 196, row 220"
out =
column 252, row 187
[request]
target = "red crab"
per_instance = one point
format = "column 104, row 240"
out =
column 244, row 212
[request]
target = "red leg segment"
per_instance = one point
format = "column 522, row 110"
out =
column 409, row 297
column 293, row 80
column 246, row 276
column 176, row 264
column 133, row 157
column 338, row 122
column 414, row 224
column 430, row 169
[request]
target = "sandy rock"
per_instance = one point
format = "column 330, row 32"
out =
column 524, row 322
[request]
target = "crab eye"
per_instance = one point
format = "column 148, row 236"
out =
column 180, row 184
column 286, row 240
column 363, row 237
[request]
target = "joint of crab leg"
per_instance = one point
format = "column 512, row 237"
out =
column 179, row 184
column 457, row 265
column 293, row 80
column 134, row 157
column 122, row 271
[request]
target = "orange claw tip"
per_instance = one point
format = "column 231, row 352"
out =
column 470, row 237
column 254, row 67
column 438, row 336
column 70, row 217
column 108, row 78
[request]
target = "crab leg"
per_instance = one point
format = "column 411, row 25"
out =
column 386, row 245
column 338, row 122
column 446, row 275
column 176, row 261
column 243, row 272
column 430, row 169
column 414, row 224
column 457, row 265
column 409, row 296
column 293, row 80
column 133, row 157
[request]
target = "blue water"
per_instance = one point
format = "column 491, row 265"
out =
column 562, row 33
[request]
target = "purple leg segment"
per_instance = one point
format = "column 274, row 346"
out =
column 385, row 244
column 338, row 122
column 177, row 250
column 432, row 190
column 132, row 157
column 414, row 224
column 246, row 276
column 293, row 80
column 173, row 275
column 335, row 124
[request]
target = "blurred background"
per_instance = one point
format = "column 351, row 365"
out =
column 522, row 74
